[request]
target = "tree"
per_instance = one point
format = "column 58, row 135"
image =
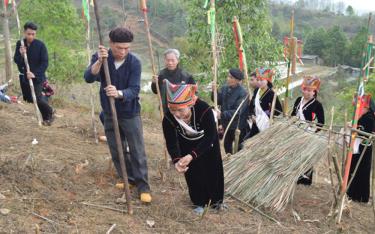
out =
column 62, row 30
column 354, row 55
column 336, row 46
column 316, row 42
column 260, row 46
column 349, row 11
column 276, row 31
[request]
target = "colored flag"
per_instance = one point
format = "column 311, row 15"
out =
column 85, row 10
column 7, row 2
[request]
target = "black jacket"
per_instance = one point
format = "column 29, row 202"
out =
column 266, row 103
column 312, row 110
column 126, row 78
column 37, row 55
column 229, row 99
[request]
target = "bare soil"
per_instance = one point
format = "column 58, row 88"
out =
column 52, row 179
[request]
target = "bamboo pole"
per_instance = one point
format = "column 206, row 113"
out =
column 147, row 27
column 212, row 22
column 234, row 115
column 373, row 178
column 329, row 152
column 114, row 118
column 93, row 125
column 288, row 80
column 344, row 146
column 241, row 52
column 7, row 46
column 26, row 61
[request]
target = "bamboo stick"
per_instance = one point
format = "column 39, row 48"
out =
column 114, row 118
column 93, row 125
column 328, row 154
column 373, row 179
column 147, row 26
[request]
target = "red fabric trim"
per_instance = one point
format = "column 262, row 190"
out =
column 175, row 160
column 193, row 154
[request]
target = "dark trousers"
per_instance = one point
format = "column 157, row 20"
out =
column 43, row 105
column 136, row 162
column 228, row 141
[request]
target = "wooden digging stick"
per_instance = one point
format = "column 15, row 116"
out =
column 147, row 26
column 114, row 118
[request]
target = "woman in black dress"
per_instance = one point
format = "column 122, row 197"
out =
column 191, row 136
column 359, row 190
column 308, row 108
column 261, row 103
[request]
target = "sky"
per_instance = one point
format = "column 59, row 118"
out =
column 360, row 6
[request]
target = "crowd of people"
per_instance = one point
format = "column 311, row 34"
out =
column 190, row 124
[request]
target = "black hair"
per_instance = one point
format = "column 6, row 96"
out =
column 269, row 84
column 121, row 35
column 30, row 25
column 253, row 74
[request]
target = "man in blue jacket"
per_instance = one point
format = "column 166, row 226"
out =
column 38, row 60
column 229, row 98
column 125, row 73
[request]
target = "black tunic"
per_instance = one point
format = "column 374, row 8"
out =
column 312, row 110
column 204, row 177
column 359, row 190
column 266, row 104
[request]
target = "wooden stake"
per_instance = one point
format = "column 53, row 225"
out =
column 92, row 103
column 329, row 152
column 114, row 118
column 147, row 26
column 7, row 46
column 373, row 179
column 214, row 50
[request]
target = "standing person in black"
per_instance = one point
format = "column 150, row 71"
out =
column 359, row 190
column 243, row 125
column 172, row 72
column 38, row 60
column 261, row 102
column 229, row 98
column 307, row 107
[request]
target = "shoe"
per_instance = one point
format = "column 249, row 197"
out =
column 103, row 138
column 146, row 197
column 120, row 185
column 198, row 210
column 219, row 206
column 48, row 122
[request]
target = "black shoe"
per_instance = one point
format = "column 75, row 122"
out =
column 48, row 122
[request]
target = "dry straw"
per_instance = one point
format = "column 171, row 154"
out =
column 266, row 170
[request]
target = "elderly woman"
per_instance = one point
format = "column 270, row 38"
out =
column 190, row 132
column 307, row 107
column 261, row 102
column 172, row 72
column 359, row 190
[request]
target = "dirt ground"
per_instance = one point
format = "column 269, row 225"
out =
column 45, row 187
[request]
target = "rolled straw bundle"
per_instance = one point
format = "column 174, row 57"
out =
column 266, row 170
